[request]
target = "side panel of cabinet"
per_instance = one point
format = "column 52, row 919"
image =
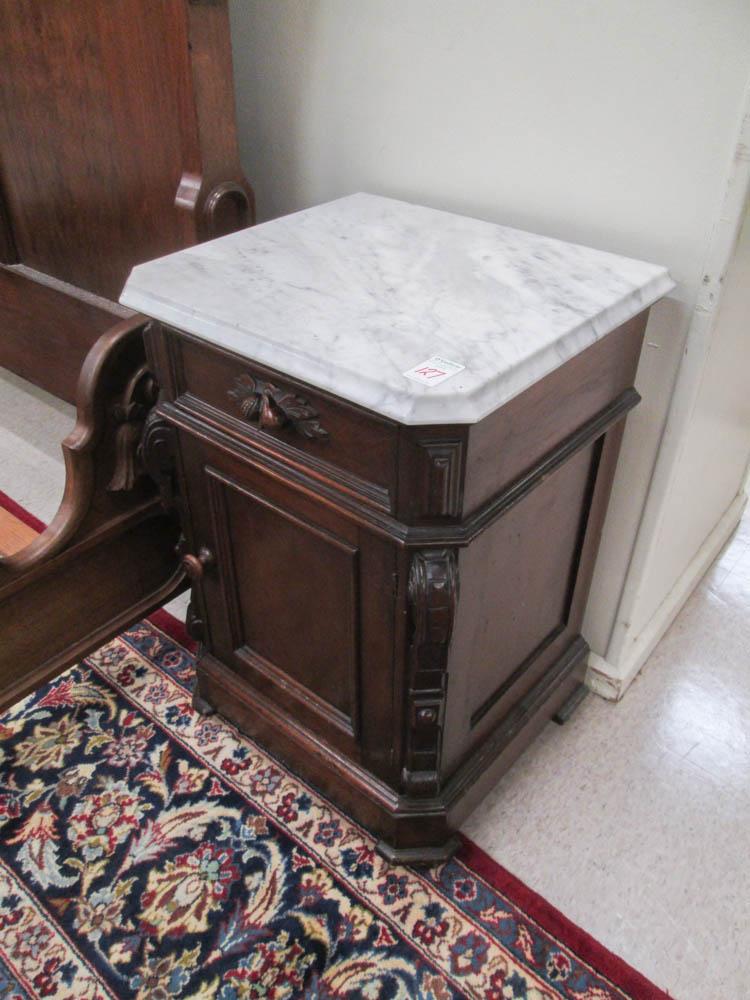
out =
column 524, row 583
column 299, row 602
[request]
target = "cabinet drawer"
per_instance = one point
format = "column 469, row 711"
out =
column 331, row 440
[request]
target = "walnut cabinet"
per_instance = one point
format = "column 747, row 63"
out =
column 393, row 610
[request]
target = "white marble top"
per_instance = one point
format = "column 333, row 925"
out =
column 353, row 295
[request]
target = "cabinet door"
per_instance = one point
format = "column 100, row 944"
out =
column 298, row 601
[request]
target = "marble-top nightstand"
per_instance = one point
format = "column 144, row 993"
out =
column 353, row 294
column 390, row 433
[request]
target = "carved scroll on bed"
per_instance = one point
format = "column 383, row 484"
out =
column 108, row 557
column 112, row 376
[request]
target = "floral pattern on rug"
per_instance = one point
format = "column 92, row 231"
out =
column 148, row 852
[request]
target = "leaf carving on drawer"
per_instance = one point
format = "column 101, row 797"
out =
column 274, row 407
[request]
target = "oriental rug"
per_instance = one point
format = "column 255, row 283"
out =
column 149, row 852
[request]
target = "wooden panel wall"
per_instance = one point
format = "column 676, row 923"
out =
column 107, row 111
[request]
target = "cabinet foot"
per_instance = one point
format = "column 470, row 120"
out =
column 569, row 706
column 418, row 856
column 201, row 706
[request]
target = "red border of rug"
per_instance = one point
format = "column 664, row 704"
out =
column 21, row 513
column 174, row 628
column 587, row 948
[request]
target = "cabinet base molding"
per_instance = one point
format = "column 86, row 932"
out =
column 418, row 855
column 412, row 830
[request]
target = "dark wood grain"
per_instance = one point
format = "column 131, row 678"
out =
column 399, row 655
column 8, row 251
column 117, row 145
column 508, row 441
column 281, row 556
column 107, row 558
column 361, row 454
column 90, row 450
column 45, row 333
column 213, row 188
column 110, row 581
column 516, row 591
column 273, row 555
column 105, row 111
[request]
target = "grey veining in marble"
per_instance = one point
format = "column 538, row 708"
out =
column 352, row 295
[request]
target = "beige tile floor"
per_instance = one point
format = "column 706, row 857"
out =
column 633, row 819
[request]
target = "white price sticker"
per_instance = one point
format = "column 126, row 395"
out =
column 434, row 370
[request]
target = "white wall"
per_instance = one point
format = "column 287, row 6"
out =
column 608, row 122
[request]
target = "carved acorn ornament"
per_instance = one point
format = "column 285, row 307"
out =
column 272, row 407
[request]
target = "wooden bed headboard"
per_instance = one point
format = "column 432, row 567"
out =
column 117, row 144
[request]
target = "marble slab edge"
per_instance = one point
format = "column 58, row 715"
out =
column 417, row 404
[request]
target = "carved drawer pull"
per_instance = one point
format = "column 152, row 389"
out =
column 275, row 407
column 195, row 565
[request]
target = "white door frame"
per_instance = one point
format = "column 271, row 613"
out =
column 626, row 653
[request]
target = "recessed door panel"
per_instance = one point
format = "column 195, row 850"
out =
column 516, row 591
column 291, row 591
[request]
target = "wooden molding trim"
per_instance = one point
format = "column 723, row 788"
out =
column 442, row 486
column 481, row 760
column 370, row 493
column 267, row 713
column 381, row 523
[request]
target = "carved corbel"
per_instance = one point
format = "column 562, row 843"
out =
column 158, row 453
column 129, row 414
column 433, row 595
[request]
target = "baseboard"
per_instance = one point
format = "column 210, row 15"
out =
column 611, row 680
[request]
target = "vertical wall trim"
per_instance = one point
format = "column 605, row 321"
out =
column 721, row 246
